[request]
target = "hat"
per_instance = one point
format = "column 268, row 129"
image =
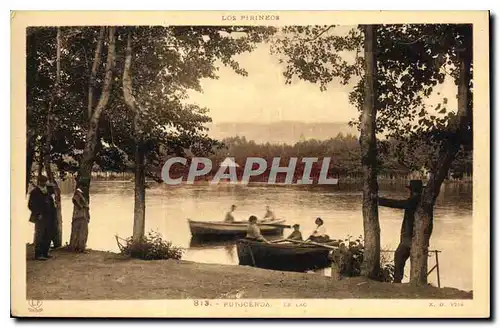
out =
column 319, row 219
column 252, row 218
column 296, row 225
column 416, row 186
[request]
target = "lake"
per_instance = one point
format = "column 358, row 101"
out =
column 169, row 207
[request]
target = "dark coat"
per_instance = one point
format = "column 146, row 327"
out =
column 42, row 205
column 410, row 206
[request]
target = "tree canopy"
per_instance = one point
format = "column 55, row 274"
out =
column 168, row 61
column 411, row 60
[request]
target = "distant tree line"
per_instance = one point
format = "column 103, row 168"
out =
column 396, row 159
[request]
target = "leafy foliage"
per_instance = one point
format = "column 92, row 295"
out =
column 349, row 257
column 168, row 61
column 395, row 157
column 151, row 247
column 411, row 60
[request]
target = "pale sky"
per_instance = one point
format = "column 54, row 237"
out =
column 263, row 97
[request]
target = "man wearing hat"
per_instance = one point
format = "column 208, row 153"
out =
column 44, row 216
column 253, row 231
column 409, row 205
column 296, row 234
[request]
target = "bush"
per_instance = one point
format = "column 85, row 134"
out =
column 150, row 247
column 349, row 258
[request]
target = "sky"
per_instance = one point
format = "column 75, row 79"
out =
column 263, row 97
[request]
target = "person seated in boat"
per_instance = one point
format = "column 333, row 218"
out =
column 296, row 234
column 269, row 216
column 229, row 215
column 319, row 235
column 253, row 230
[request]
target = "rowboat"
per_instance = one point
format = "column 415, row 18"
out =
column 282, row 256
column 234, row 229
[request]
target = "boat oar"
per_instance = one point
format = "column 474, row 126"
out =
column 275, row 225
column 277, row 241
column 311, row 243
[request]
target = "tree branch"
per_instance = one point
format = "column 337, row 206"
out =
column 320, row 34
column 412, row 42
column 93, row 73
column 108, row 79
column 127, row 79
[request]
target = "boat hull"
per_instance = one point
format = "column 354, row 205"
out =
column 283, row 257
column 228, row 230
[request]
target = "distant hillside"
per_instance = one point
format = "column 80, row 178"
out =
column 280, row 132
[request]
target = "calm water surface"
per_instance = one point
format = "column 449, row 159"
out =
column 168, row 208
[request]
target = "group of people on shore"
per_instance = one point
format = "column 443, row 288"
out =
column 43, row 209
column 44, row 215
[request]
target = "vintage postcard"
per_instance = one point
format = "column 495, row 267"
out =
column 250, row 164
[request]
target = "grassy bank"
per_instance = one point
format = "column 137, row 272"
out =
column 106, row 276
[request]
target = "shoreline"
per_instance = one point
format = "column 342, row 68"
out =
column 99, row 275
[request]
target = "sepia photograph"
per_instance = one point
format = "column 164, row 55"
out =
column 250, row 164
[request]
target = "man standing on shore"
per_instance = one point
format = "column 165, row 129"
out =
column 409, row 205
column 44, row 216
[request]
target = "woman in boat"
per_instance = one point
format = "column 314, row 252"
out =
column 296, row 234
column 253, row 231
column 319, row 235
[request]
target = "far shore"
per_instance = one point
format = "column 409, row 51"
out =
column 98, row 275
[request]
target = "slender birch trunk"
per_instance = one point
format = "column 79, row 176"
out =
column 79, row 224
column 140, row 176
column 57, row 238
column 368, row 142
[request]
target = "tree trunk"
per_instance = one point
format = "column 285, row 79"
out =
column 93, row 73
column 424, row 214
column 79, row 225
column 30, row 156
column 40, row 163
column 140, row 173
column 57, row 238
column 368, row 143
column 140, row 193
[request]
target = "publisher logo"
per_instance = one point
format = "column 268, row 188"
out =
column 35, row 306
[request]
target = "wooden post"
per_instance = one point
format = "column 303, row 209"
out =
column 437, row 269
column 336, row 274
column 436, row 266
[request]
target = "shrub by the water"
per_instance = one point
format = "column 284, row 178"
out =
column 150, row 247
column 349, row 258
